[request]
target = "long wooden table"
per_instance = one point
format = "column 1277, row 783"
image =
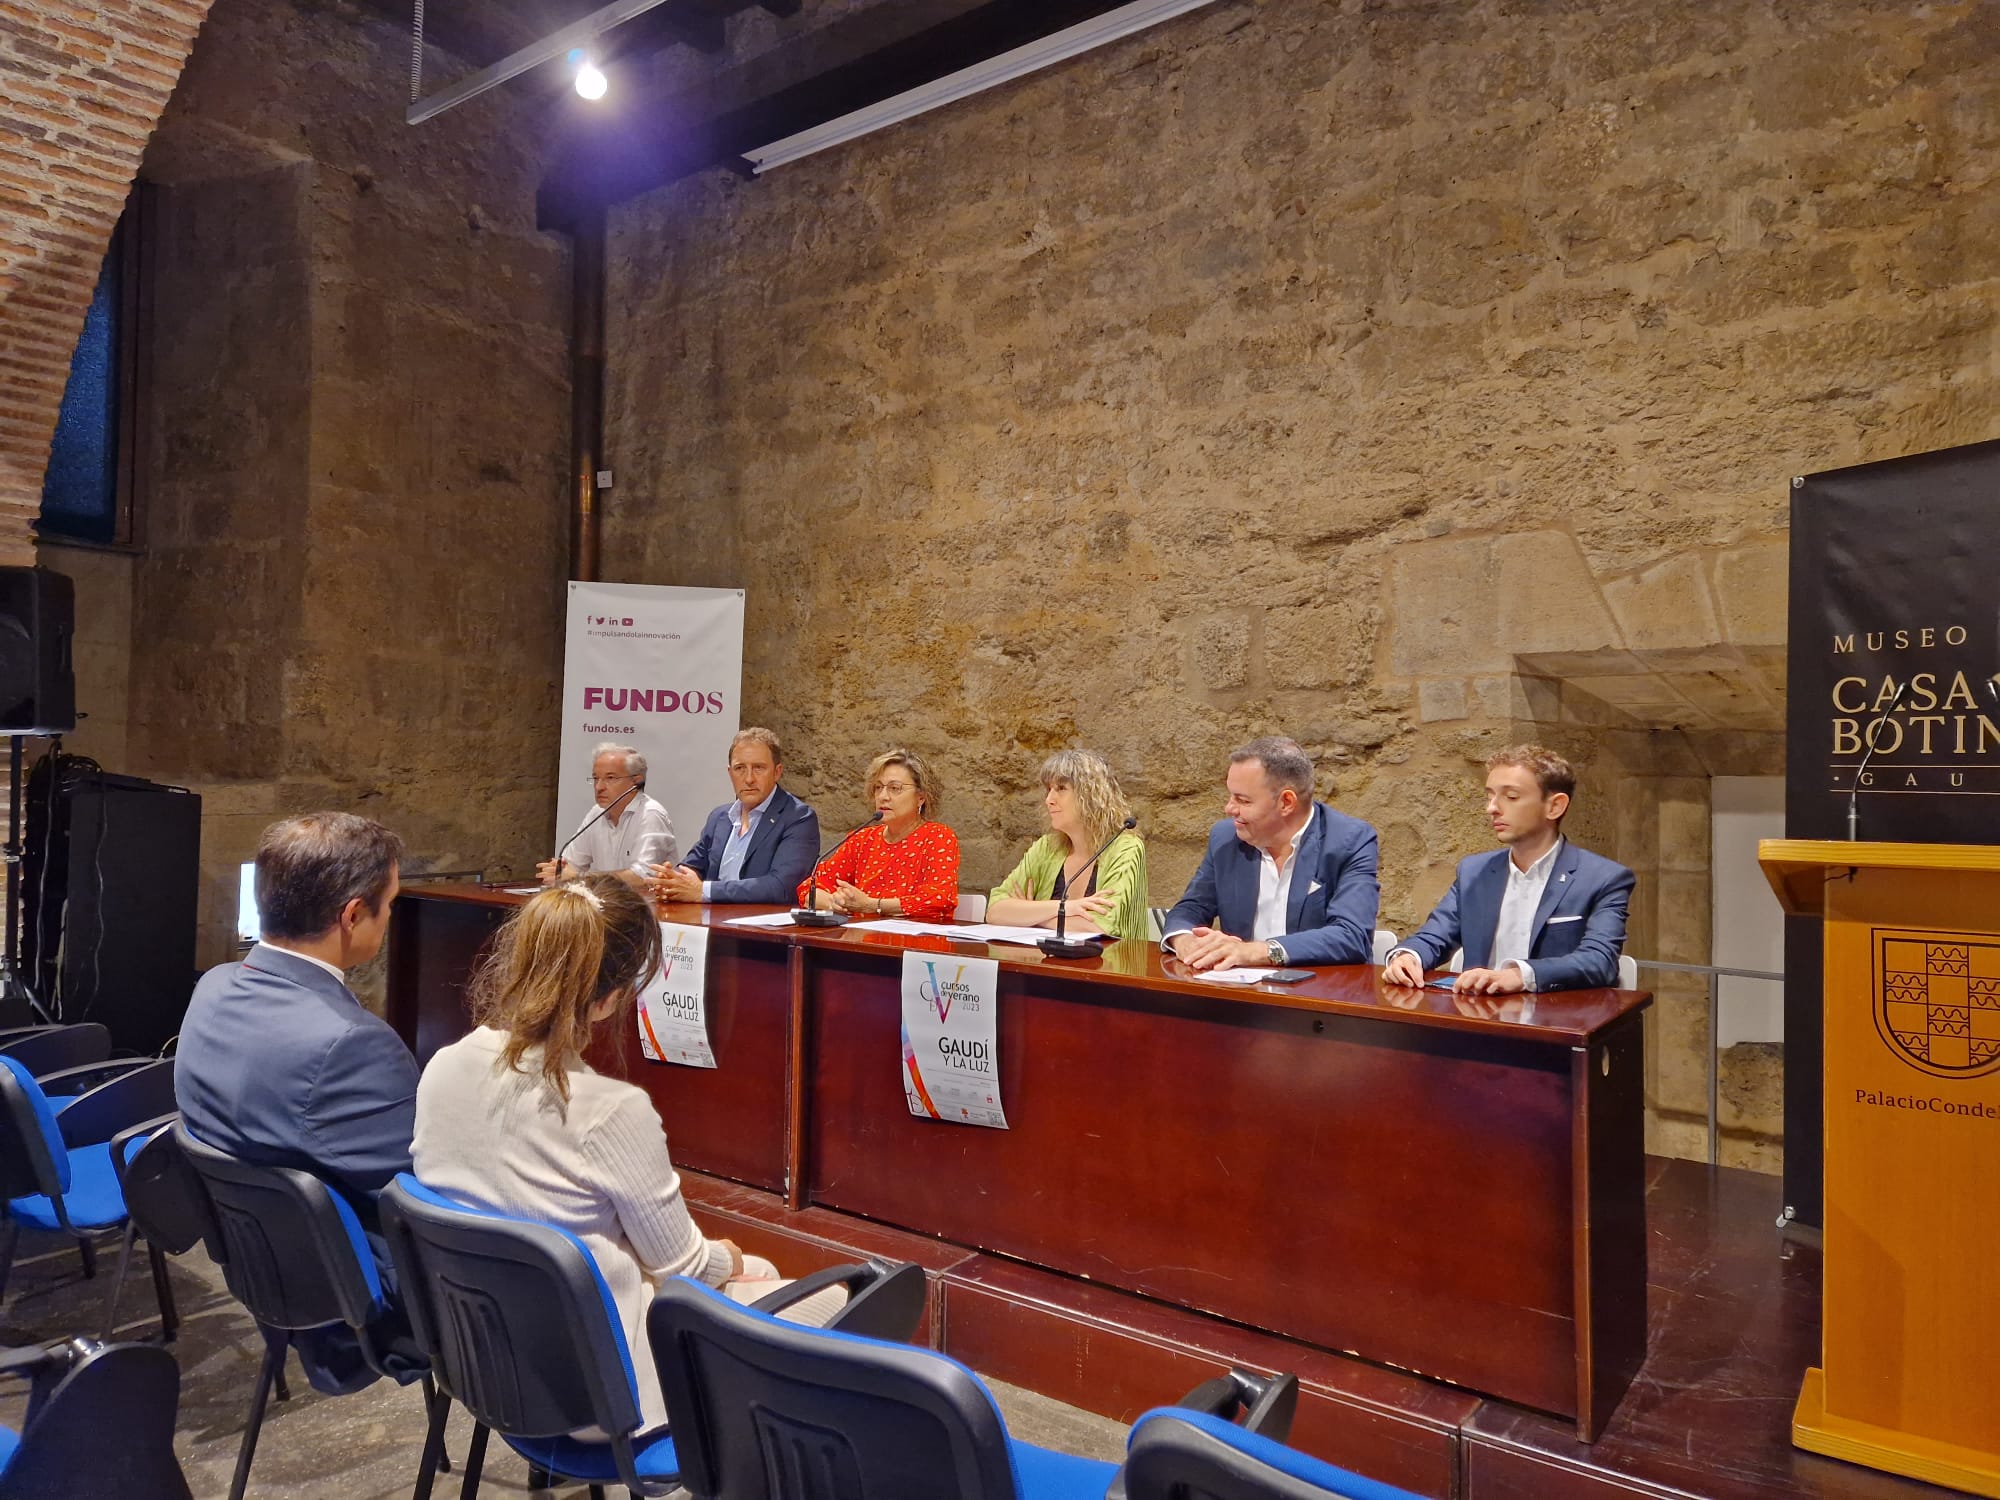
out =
column 1452, row 1188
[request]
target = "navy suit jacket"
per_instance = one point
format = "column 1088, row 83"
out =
column 279, row 1064
column 1579, row 927
column 1334, row 896
column 779, row 858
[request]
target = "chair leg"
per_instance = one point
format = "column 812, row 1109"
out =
column 163, row 1291
column 475, row 1460
column 89, row 1253
column 8, row 1241
column 540, row 1478
column 118, row 1280
column 431, row 1398
column 439, row 1409
column 274, row 1359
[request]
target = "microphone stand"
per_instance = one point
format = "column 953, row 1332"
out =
column 810, row 915
column 1061, row 945
column 1854, row 792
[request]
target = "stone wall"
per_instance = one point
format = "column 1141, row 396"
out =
column 355, row 536
column 1410, row 377
column 80, row 87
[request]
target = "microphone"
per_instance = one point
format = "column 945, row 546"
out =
column 637, row 786
column 1854, row 792
column 1061, row 946
column 810, row 915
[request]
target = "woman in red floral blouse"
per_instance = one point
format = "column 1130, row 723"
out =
column 905, row 865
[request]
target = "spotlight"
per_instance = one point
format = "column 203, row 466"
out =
column 591, row 82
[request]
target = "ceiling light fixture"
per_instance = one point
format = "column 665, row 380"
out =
column 549, row 48
column 1057, row 46
column 591, row 82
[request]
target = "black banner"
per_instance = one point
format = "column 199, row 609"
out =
column 1893, row 643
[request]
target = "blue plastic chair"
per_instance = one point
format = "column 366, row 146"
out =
column 293, row 1253
column 522, row 1331
column 100, row 1422
column 1175, row 1454
column 56, row 1169
column 769, row 1410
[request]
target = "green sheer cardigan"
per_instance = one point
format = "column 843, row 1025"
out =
column 1121, row 875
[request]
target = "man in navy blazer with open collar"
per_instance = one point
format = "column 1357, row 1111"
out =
column 783, row 841
column 279, row 1064
column 1572, row 937
column 1328, row 886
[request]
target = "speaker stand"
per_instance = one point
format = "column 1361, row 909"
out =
column 15, row 991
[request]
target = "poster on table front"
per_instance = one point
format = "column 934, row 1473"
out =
column 673, row 1008
column 951, row 1057
column 657, row 667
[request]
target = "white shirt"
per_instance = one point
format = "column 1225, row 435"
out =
column 335, row 972
column 1514, row 933
column 642, row 837
column 1274, row 886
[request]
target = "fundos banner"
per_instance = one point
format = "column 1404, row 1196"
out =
column 660, row 668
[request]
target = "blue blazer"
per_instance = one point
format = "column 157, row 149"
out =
column 1334, row 895
column 279, row 1064
column 1579, row 927
column 779, row 858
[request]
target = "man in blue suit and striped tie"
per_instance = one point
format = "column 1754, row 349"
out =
column 1286, row 880
column 1538, row 913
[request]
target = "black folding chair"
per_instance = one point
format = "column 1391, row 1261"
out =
column 293, row 1253
column 1189, row 1455
column 100, row 1422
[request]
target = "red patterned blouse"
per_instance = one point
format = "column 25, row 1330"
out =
column 920, row 869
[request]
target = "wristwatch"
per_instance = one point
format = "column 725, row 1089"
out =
column 1277, row 951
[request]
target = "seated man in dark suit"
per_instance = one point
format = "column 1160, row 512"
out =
column 759, row 848
column 1286, row 880
column 1538, row 913
column 279, row 1064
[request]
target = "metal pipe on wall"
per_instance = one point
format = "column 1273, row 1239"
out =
column 586, row 400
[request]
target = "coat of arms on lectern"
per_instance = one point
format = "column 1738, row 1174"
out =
column 1937, row 1001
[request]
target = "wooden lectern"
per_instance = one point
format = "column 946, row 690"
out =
column 1910, row 1343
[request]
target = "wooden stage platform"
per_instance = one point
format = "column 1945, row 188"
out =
column 1733, row 1321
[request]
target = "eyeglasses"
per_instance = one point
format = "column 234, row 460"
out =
column 893, row 788
column 611, row 780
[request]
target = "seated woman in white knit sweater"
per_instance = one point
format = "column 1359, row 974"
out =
column 511, row 1117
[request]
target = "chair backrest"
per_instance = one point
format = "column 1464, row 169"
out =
column 1156, row 922
column 1628, row 972
column 515, row 1316
column 971, row 907
column 291, row 1249
column 1188, row 1455
column 47, row 1048
column 1456, row 963
column 768, row 1410
column 106, row 1427
column 33, row 1158
column 164, row 1196
column 1385, row 944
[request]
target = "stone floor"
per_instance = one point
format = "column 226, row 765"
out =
column 359, row 1447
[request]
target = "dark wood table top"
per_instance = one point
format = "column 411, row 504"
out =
column 1565, row 1018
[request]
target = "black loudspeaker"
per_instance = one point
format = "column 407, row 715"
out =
column 37, row 680
column 110, row 882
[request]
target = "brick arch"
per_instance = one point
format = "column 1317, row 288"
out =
column 82, row 84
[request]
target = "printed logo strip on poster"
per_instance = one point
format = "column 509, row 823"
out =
column 951, row 1057
column 673, row 1009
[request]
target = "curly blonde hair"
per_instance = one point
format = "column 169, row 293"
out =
column 1099, row 800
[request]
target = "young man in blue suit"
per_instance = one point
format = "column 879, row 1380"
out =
column 1286, row 880
column 756, row 850
column 1536, row 914
column 279, row 1064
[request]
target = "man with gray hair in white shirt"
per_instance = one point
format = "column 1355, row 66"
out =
column 626, row 834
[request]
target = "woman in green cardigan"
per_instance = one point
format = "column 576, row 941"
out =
column 1085, row 808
